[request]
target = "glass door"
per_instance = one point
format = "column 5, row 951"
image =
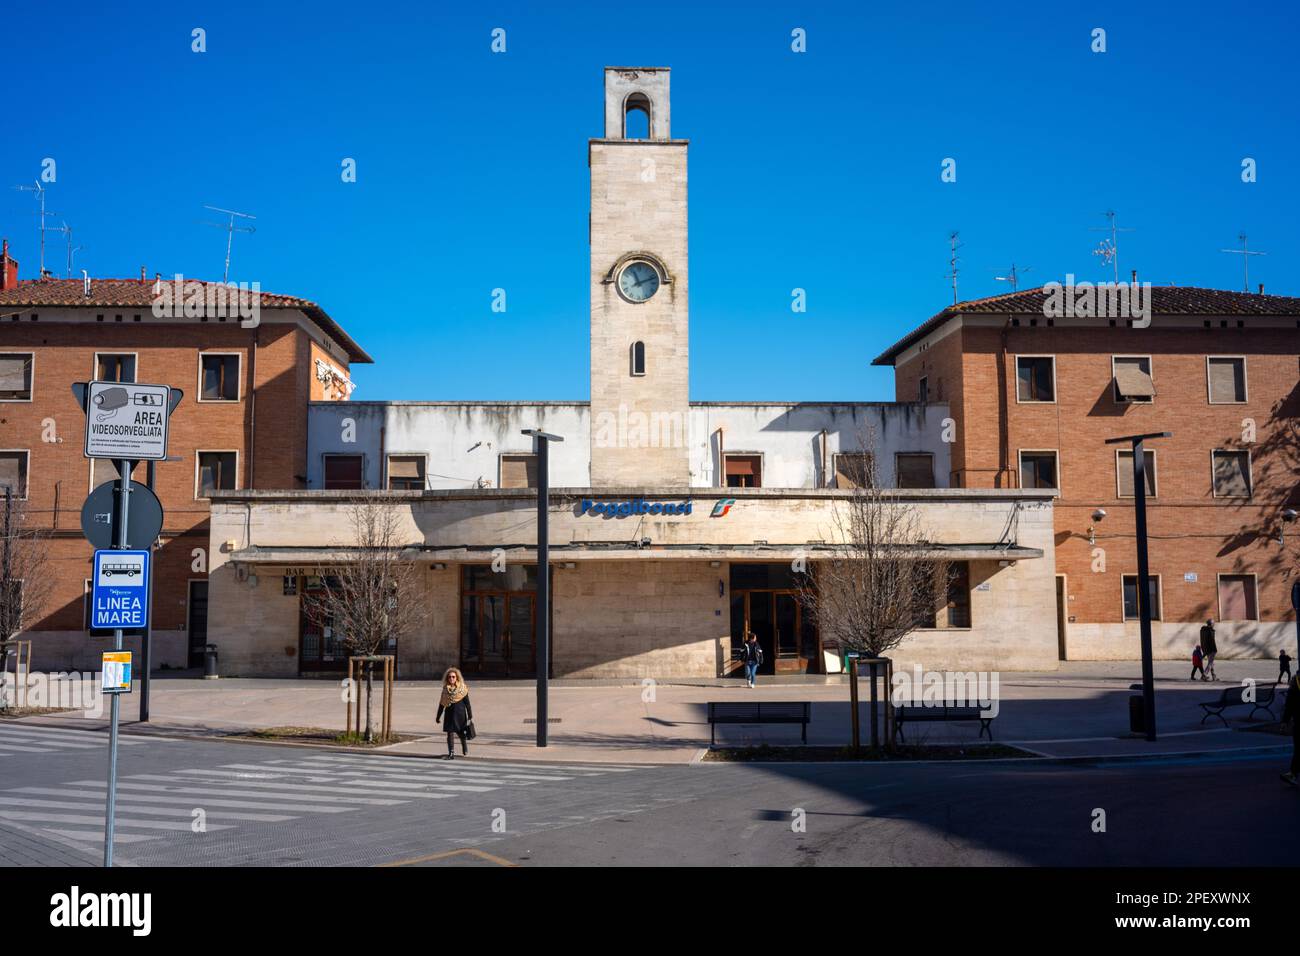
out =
column 521, row 639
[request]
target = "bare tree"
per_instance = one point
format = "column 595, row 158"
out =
column 883, row 580
column 26, row 578
column 374, row 595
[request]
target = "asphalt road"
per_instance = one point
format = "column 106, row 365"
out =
column 219, row 803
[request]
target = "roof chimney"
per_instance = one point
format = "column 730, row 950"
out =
column 8, row 268
column 1134, row 274
column 143, row 275
column 1261, row 288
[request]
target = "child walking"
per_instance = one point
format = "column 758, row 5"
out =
column 1198, row 663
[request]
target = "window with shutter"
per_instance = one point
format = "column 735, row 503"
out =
column 405, row 472
column 219, row 378
column 344, row 472
column 1232, row 474
column 915, row 470
column 1035, row 379
column 13, row 473
column 854, row 471
column 16, row 377
column 744, row 471
column 1227, row 380
column 1131, row 610
column 1038, row 469
column 1237, row 598
column 216, row 472
column 1124, row 472
column 114, row 368
column 518, row 471
column 1132, row 378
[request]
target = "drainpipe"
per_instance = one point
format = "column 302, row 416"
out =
column 1003, row 428
column 720, row 477
column 383, row 460
column 252, row 414
column 825, row 478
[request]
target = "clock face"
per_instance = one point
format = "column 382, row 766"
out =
column 638, row 281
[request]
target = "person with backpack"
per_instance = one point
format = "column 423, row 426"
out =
column 752, row 655
column 1197, row 658
column 1210, row 647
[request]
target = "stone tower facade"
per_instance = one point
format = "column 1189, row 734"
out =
column 639, row 310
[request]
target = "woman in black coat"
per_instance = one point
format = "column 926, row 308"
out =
column 459, row 719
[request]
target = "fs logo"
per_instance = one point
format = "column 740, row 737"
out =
column 722, row 507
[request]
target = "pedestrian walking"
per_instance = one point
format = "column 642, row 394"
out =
column 1291, row 716
column 1197, row 658
column 1283, row 667
column 1210, row 647
column 459, row 719
column 752, row 655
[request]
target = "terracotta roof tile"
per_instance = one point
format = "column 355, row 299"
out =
column 137, row 293
column 1165, row 300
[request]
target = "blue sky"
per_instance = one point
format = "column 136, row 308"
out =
column 818, row 170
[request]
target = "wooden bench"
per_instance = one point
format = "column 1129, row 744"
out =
column 940, row 711
column 758, row 712
column 1236, row 697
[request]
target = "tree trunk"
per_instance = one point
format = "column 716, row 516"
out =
column 370, row 734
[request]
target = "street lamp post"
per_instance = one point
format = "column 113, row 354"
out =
column 1144, row 576
column 542, row 635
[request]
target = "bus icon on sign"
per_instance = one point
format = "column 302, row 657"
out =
column 111, row 570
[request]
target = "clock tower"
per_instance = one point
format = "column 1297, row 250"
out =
column 639, row 328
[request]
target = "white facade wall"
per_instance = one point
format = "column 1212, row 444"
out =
column 463, row 441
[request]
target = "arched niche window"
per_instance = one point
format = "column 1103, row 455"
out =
column 636, row 116
column 638, row 358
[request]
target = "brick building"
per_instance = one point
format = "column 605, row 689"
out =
column 241, row 424
column 1035, row 396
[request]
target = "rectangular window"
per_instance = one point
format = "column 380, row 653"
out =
column 216, row 472
column 1227, row 380
column 518, row 471
column 218, row 378
column 344, row 473
column 1131, row 597
column 405, row 472
column 854, row 470
column 915, row 470
column 744, row 471
column 13, row 473
column 1231, row 474
column 1035, row 378
column 1132, row 380
column 959, row 595
column 1237, row 598
column 1038, row 469
column 102, row 470
column 923, row 389
column 114, row 368
column 1124, row 472
column 16, row 376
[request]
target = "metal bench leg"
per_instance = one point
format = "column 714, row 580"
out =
column 986, row 725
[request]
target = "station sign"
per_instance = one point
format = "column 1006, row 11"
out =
column 126, row 420
column 632, row 507
column 120, row 590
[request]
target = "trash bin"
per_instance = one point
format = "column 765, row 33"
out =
column 1136, row 715
column 210, row 662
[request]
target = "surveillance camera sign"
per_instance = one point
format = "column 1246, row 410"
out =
column 120, row 590
column 126, row 420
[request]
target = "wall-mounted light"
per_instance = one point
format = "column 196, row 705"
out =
column 715, row 564
column 1288, row 516
column 438, row 566
column 569, row 565
column 1097, row 517
column 722, row 588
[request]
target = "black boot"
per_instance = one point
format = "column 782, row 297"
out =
column 451, row 747
column 464, row 745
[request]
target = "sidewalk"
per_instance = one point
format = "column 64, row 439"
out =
column 1080, row 710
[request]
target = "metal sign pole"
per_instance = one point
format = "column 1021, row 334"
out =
column 542, row 631
column 1144, row 589
column 146, row 644
column 123, row 511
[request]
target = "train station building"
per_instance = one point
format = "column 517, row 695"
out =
column 675, row 526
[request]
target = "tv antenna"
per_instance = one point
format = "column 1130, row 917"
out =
column 953, row 259
column 39, row 190
column 231, row 229
column 1245, row 252
column 1013, row 276
column 72, row 250
column 1108, row 249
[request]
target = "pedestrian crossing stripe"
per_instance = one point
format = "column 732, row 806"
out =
column 153, row 806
